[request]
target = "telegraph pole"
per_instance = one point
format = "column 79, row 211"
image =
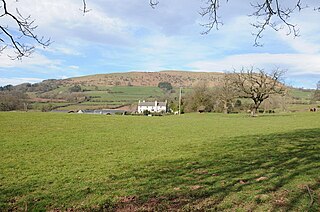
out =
column 180, row 100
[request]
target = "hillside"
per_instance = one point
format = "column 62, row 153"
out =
column 115, row 90
column 176, row 78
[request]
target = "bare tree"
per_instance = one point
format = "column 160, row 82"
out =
column 258, row 85
column 316, row 94
column 226, row 93
column 200, row 99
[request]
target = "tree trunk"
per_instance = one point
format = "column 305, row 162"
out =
column 225, row 108
column 253, row 112
column 254, row 109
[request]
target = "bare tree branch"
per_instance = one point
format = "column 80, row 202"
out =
column 85, row 8
column 257, row 85
column 16, row 40
column 211, row 11
column 153, row 3
column 272, row 8
column 274, row 14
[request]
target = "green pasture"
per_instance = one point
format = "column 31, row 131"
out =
column 302, row 107
column 109, row 97
column 52, row 161
column 125, row 94
column 301, row 94
column 93, row 106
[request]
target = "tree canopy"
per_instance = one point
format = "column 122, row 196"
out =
column 165, row 86
column 257, row 85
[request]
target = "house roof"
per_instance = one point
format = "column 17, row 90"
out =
column 152, row 104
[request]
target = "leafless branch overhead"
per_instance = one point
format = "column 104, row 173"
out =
column 153, row 3
column 85, row 8
column 274, row 14
column 18, row 40
column 211, row 11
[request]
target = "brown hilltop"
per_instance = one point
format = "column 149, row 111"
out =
column 176, row 78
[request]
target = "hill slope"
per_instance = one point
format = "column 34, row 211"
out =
column 176, row 78
column 116, row 90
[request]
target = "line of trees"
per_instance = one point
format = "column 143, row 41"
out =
column 316, row 95
column 262, row 89
column 13, row 100
column 254, row 84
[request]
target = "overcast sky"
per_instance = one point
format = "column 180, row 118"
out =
column 128, row 35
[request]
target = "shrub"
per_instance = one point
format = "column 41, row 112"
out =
column 76, row 88
column 146, row 112
column 47, row 107
column 165, row 86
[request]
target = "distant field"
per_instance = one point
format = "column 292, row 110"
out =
column 100, row 97
column 301, row 94
column 104, row 97
column 191, row 162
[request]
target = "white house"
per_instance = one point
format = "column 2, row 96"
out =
column 153, row 107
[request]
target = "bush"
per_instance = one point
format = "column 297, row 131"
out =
column 146, row 112
column 238, row 103
column 76, row 88
column 157, row 114
column 233, row 112
column 165, row 86
column 12, row 100
column 46, row 108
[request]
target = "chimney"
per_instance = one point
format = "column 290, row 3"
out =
column 155, row 103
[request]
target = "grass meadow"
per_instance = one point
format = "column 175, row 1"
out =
column 190, row 162
column 103, row 97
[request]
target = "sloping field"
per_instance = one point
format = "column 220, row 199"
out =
column 191, row 162
column 106, row 97
column 176, row 78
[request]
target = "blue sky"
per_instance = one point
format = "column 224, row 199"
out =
column 128, row 35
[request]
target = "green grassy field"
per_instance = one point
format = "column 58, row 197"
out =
column 301, row 94
column 103, row 97
column 191, row 162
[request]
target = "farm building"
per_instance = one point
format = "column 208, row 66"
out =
column 103, row 111
column 153, row 107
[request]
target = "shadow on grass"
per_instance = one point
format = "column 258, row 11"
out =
column 270, row 172
column 263, row 172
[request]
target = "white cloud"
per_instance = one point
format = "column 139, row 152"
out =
column 308, row 40
column 63, row 21
column 35, row 59
column 63, row 49
column 74, row 67
column 129, row 35
column 17, row 81
column 296, row 64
